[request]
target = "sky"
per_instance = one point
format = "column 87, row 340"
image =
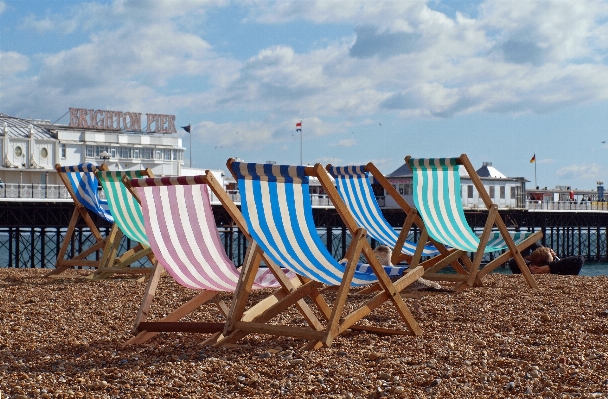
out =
column 370, row 80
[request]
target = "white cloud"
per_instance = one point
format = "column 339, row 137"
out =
column 400, row 58
column 12, row 63
column 345, row 143
column 2, row 7
column 582, row 171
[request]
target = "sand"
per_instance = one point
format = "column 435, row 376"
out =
column 61, row 338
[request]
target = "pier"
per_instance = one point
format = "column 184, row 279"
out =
column 31, row 230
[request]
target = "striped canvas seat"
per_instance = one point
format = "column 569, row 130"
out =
column 355, row 189
column 276, row 206
column 123, row 205
column 84, row 183
column 437, row 197
column 287, row 233
column 181, row 231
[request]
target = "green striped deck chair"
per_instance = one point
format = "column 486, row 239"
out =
column 128, row 221
column 436, row 186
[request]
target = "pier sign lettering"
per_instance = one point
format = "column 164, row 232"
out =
column 116, row 120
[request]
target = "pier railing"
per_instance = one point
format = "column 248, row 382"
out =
column 53, row 192
column 567, row 206
column 18, row 191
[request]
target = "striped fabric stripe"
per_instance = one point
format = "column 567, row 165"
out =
column 84, row 183
column 437, row 198
column 123, row 206
column 168, row 181
column 355, row 188
column 83, row 167
column 275, row 202
column 181, row 230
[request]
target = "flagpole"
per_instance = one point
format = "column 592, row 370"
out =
column 301, row 147
column 190, row 132
column 535, row 184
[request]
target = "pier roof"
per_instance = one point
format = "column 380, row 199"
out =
column 487, row 170
column 11, row 126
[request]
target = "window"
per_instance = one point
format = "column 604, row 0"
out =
column 90, row 151
column 125, row 152
column 18, row 152
column 113, row 152
column 136, row 153
column 44, row 153
column 64, row 151
column 469, row 191
column 101, row 148
column 503, row 190
column 158, row 154
column 492, row 189
column 167, row 155
column 147, row 153
column 513, row 192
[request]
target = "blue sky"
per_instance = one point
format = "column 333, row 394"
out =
column 370, row 80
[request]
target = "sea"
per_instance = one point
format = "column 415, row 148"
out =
column 590, row 268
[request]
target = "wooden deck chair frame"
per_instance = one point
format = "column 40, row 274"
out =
column 80, row 211
column 145, row 330
column 444, row 257
column 110, row 264
column 336, row 324
column 494, row 220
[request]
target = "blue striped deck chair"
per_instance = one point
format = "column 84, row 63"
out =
column 82, row 185
column 354, row 186
column 128, row 221
column 437, row 196
column 275, row 202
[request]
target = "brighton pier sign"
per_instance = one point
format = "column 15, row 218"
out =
column 116, row 120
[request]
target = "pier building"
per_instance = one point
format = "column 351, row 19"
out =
column 30, row 148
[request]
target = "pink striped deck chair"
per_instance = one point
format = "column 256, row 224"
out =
column 183, row 236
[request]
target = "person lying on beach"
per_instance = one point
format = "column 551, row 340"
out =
column 544, row 261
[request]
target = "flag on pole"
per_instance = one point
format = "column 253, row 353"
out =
column 186, row 128
column 299, row 126
column 533, row 158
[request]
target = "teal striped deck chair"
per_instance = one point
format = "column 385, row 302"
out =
column 128, row 221
column 437, row 196
column 275, row 202
column 81, row 184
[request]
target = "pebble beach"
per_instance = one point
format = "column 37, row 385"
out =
column 62, row 338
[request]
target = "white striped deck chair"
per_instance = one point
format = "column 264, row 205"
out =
column 275, row 202
column 82, row 185
column 183, row 236
column 128, row 221
column 437, row 196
